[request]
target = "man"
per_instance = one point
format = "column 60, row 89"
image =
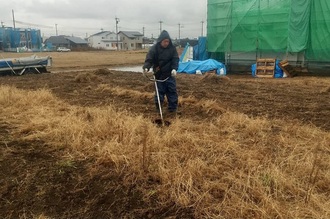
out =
column 164, row 60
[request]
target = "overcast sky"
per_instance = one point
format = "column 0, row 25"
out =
column 86, row 17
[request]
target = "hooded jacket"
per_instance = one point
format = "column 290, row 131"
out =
column 162, row 60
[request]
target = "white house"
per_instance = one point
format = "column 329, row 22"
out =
column 105, row 40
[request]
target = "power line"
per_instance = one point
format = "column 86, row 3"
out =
column 32, row 25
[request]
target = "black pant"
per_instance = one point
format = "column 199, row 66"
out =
column 168, row 89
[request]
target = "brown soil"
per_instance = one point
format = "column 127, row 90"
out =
column 32, row 181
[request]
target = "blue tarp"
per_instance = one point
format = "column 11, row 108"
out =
column 202, row 66
column 185, row 54
column 201, row 63
column 200, row 52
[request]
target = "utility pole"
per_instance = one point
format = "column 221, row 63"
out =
column 143, row 38
column 160, row 26
column 202, row 27
column 12, row 11
column 56, row 29
column 179, row 35
column 117, row 21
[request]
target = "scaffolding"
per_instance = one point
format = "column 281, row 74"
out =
column 245, row 30
column 14, row 39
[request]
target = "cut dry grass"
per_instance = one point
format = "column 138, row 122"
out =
column 103, row 71
column 326, row 90
column 231, row 167
column 86, row 77
column 214, row 79
column 207, row 106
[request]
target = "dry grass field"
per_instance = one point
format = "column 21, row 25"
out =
column 80, row 142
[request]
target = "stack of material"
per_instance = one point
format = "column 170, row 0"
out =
column 287, row 68
column 265, row 67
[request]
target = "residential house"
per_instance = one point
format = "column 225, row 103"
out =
column 77, row 42
column 131, row 39
column 54, row 42
column 148, row 42
column 105, row 40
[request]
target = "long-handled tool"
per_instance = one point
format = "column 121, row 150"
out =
column 162, row 121
column 158, row 100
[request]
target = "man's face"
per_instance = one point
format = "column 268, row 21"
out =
column 165, row 43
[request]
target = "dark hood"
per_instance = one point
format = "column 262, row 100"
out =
column 164, row 35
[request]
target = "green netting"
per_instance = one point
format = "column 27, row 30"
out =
column 270, row 26
column 319, row 44
column 299, row 21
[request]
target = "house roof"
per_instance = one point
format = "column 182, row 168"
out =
column 131, row 34
column 103, row 33
column 77, row 40
column 65, row 40
column 57, row 40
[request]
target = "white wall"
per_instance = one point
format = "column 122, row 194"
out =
column 104, row 41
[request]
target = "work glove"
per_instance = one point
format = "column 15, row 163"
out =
column 173, row 73
column 145, row 70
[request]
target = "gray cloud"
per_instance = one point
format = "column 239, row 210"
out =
column 84, row 17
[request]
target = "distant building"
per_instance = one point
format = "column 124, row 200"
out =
column 131, row 40
column 15, row 39
column 147, row 42
column 126, row 40
column 183, row 42
column 77, row 42
column 54, row 42
column 104, row 40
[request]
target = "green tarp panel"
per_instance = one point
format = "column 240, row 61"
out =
column 319, row 45
column 278, row 26
column 272, row 25
column 299, row 21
